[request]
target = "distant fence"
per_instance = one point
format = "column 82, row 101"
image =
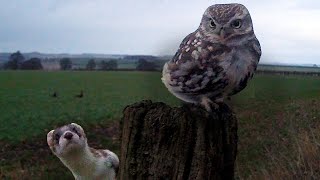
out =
column 271, row 72
column 285, row 73
column 118, row 69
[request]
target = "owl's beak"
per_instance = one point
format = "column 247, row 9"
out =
column 225, row 32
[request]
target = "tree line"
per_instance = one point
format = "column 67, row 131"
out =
column 17, row 61
column 66, row 64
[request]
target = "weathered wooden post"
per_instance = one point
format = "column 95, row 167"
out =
column 161, row 142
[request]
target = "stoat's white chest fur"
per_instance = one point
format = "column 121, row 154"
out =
column 91, row 164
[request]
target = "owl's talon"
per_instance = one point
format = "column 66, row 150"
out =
column 208, row 104
column 215, row 106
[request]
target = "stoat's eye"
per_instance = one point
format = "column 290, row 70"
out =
column 75, row 130
column 57, row 137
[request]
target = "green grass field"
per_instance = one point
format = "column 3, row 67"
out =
column 273, row 112
column 27, row 107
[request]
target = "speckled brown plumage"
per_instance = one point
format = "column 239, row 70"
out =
column 217, row 60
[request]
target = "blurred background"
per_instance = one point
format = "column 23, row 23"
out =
column 113, row 51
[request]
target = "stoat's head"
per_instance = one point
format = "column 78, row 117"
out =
column 67, row 139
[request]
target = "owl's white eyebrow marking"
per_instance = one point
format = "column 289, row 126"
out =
column 212, row 17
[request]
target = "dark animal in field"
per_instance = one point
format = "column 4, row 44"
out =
column 80, row 95
column 54, row 95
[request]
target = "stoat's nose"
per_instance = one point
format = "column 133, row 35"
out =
column 68, row 135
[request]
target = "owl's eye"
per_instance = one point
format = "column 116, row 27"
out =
column 236, row 24
column 212, row 24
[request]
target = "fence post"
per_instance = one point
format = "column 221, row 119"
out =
column 161, row 142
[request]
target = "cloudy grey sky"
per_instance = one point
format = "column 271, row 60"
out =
column 288, row 30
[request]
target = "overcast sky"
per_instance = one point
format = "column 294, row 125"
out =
column 288, row 30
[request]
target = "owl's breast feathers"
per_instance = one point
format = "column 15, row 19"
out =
column 204, row 68
column 250, row 54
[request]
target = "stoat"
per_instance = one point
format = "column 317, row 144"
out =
column 69, row 144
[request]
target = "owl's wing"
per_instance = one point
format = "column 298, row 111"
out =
column 194, row 48
column 195, row 67
column 256, row 48
column 186, row 42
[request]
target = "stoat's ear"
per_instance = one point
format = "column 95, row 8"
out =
column 50, row 139
column 78, row 126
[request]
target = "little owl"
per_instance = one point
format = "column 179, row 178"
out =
column 217, row 60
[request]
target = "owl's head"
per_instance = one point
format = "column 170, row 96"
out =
column 225, row 22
